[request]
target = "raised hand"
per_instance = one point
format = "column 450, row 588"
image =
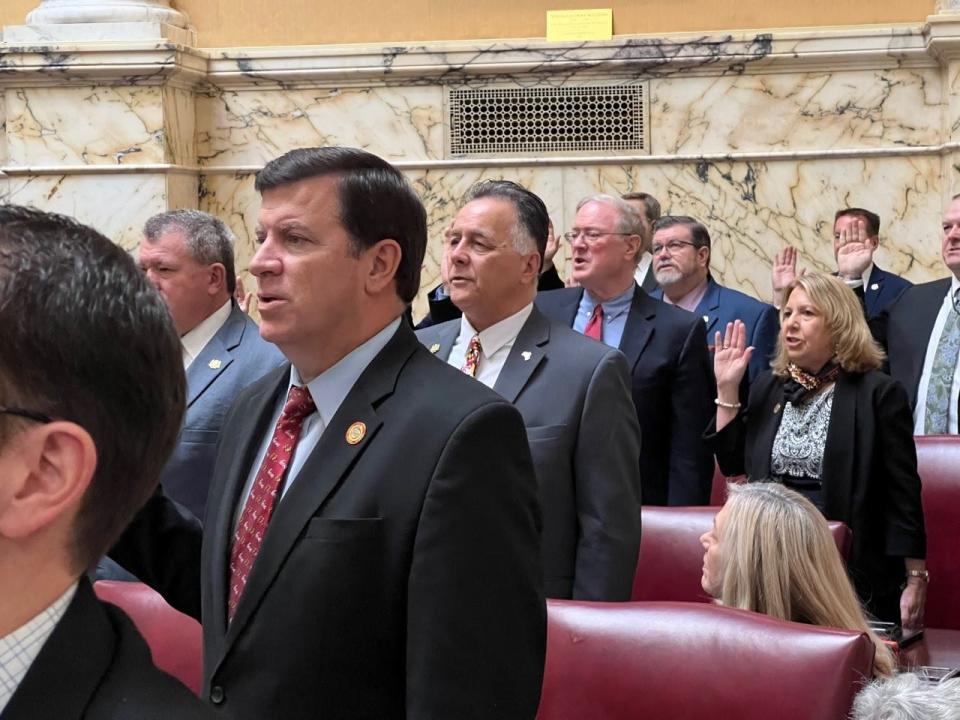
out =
column 242, row 297
column 731, row 357
column 783, row 272
column 553, row 244
column 855, row 252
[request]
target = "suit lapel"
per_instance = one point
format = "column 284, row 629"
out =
column 639, row 326
column 325, row 468
column 759, row 468
column 440, row 339
column 525, row 356
column 926, row 301
column 216, row 355
column 564, row 303
column 709, row 307
column 871, row 293
column 837, row 474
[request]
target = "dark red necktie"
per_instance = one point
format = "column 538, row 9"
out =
column 248, row 537
column 594, row 328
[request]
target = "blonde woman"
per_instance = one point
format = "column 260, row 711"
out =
column 827, row 423
column 770, row 551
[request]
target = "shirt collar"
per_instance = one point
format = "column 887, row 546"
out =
column 692, row 299
column 498, row 334
column 611, row 308
column 331, row 386
column 196, row 340
column 866, row 276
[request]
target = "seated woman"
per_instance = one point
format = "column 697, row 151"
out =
column 827, row 423
column 770, row 551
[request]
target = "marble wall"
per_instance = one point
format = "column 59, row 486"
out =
column 762, row 136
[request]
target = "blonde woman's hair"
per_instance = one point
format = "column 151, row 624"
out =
column 779, row 558
column 854, row 346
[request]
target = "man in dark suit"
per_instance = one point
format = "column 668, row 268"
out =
column 573, row 393
column 649, row 208
column 666, row 349
column 188, row 256
column 681, row 250
column 91, row 397
column 860, row 228
column 921, row 333
column 372, row 543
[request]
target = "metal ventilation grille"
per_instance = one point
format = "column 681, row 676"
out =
column 607, row 119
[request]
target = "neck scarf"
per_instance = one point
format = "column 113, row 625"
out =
column 802, row 384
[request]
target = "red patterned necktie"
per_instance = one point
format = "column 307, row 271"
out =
column 472, row 357
column 594, row 328
column 258, row 509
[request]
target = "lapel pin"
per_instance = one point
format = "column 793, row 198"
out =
column 875, row 286
column 706, row 319
column 776, row 408
column 526, row 355
column 434, row 348
column 356, row 432
column 214, row 364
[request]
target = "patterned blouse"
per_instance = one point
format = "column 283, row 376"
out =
column 798, row 448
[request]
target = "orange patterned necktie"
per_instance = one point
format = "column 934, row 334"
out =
column 258, row 509
column 472, row 357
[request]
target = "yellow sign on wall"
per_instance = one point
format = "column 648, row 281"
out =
column 579, row 25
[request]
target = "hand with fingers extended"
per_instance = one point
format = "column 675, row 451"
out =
column 553, row 245
column 854, row 251
column 242, row 297
column 731, row 357
column 783, row 272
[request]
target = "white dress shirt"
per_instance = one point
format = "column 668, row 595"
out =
column 640, row 274
column 20, row 648
column 919, row 413
column 196, row 340
column 495, row 345
column 328, row 391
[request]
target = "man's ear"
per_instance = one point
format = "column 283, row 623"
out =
column 634, row 244
column 384, row 260
column 54, row 464
column 874, row 241
column 531, row 267
column 216, row 278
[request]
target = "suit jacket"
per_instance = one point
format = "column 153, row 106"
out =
column 400, row 577
column 574, row 395
column 869, row 474
column 649, row 281
column 883, row 291
column 95, row 666
column 721, row 305
column 673, row 391
column 234, row 358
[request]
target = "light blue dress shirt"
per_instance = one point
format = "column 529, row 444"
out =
column 615, row 313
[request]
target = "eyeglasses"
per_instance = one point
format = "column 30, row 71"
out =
column 674, row 246
column 27, row 414
column 589, row 236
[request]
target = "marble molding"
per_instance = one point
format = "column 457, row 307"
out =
column 105, row 11
column 761, row 135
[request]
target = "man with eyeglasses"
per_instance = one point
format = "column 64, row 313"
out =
column 666, row 349
column 91, row 398
column 573, row 393
column 681, row 263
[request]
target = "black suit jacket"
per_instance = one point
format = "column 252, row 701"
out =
column 95, row 666
column 869, row 478
column 673, row 391
column 574, row 395
column 399, row 577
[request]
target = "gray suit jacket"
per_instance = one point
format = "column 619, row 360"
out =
column 574, row 396
column 233, row 359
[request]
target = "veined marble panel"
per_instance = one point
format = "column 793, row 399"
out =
column 116, row 205
column 3, row 129
column 179, row 126
column 753, row 209
column 253, row 126
column 793, row 111
column 85, row 125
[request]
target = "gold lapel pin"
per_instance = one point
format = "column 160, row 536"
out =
column 434, row 348
column 526, row 355
column 776, row 408
column 356, row 432
column 875, row 286
column 214, row 364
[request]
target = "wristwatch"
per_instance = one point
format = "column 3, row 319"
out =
column 922, row 574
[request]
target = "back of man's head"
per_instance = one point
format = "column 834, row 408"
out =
column 375, row 202
column 87, row 340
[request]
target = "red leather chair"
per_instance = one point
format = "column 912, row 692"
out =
column 718, row 492
column 622, row 661
column 671, row 557
column 938, row 459
column 175, row 640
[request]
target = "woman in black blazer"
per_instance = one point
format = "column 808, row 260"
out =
column 828, row 424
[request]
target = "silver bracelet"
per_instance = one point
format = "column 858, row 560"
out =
column 730, row 406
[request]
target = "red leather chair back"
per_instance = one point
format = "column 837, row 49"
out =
column 938, row 460
column 718, row 492
column 622, row 661
column 671, row 557
column 175, row 639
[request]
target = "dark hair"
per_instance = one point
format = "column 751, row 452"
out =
column 87, row 338
column 532, row 213
column 650, row 204
column 375, row 202
column 870, row 218
column 207, row 238
column 698, row 232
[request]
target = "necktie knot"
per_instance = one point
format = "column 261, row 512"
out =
column 594, row 328
column 299, row 404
